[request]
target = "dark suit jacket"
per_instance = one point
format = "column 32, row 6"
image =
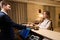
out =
column 6, row 26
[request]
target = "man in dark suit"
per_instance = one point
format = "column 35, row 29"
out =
column 6, row 24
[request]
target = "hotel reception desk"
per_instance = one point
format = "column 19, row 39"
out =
column 47, row 33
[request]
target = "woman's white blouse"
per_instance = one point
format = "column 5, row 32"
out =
column 45, row 24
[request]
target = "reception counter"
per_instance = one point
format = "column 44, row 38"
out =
column 47, row 33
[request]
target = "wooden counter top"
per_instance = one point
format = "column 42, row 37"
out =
column 48, row 33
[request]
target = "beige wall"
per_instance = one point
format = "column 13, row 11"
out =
column 57, row 15
column 57, row 28
column 40, row 2
column 33, row 11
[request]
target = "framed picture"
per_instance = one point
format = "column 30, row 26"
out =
column 59, row 15
column 39, row 10
column 58, row 23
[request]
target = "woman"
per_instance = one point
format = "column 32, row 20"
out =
column 46, row 22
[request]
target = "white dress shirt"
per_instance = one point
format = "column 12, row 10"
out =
column 45, row 24
column 3, row 11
